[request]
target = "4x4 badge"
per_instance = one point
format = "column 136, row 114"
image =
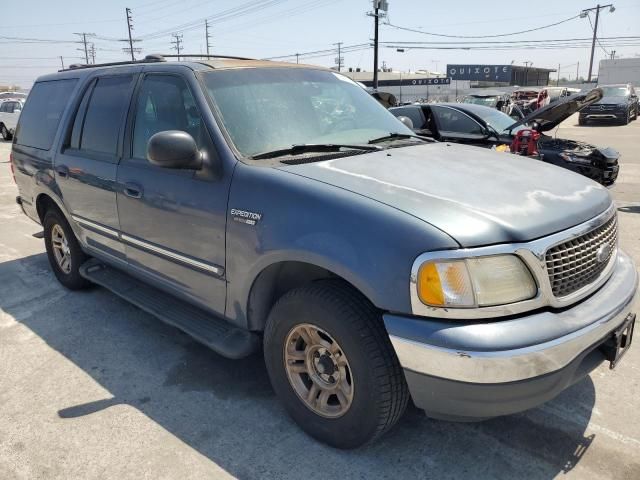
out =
column 243, row 216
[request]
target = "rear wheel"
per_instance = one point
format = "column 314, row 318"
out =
column 332, row 365
column 5, row 132
column 63, row 250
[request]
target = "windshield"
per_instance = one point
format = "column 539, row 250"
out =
column 266, row 109
column 486, row 101
column 615, row 91
column 498, row 120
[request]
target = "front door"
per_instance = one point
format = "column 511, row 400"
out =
column 85, row 169
column 172, row 221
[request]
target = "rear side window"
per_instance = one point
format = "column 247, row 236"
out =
column 104, row 116
column 42, row 113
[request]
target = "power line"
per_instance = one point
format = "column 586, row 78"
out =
column 482, row 36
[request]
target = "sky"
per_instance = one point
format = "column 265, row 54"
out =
column 32, row 41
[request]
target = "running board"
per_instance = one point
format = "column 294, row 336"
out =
column 214, row 332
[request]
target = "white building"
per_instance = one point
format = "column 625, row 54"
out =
column 619, row 70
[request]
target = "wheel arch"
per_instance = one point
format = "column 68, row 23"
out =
column 280, row 277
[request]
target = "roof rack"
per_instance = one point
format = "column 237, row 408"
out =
column 148, row 59
column 156, row 57
column 204, row 55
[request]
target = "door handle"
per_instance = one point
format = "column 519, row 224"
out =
column 62, row 171
column 133, row 190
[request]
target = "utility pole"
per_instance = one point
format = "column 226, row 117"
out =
column 558, row 79
column 526, row 72
column 339, row 60
column 177, row 43
column 297, row 58
column 61, row 62
column 585, row 13
column 376, row 12
column 92, row 52
column 207, row 36
column 378, row 6
column 84, row 41
column 577, row 72
column 613, row 54
column 129, row 28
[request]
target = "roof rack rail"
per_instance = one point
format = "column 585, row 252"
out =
column 147, row 59
column 204, row 55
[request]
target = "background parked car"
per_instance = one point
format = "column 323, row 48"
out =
column 487, row 127
column 9, row 114
column 492, row 99
column 619, row 104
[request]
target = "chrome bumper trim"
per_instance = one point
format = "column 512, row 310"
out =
column 596, row 317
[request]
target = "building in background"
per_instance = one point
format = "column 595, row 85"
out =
column 412, row 87
column 500, row 75
column 619, row 70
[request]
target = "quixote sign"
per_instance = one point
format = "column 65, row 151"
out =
column 493, row 73
column 409, row 82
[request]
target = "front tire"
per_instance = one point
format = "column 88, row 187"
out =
column 332, row 365
column 63, row 250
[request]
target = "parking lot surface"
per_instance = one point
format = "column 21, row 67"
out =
column 92, row 387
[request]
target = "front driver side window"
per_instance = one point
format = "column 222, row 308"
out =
column 165, row 103
column 452, row 120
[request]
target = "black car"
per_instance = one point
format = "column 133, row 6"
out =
column 618, row 104
column 488, row 127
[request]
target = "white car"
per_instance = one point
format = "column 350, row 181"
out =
column 9, row 114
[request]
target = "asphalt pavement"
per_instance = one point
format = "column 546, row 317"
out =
column 92, row 387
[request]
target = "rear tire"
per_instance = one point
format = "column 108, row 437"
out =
column 63, row 250
column 351, row 343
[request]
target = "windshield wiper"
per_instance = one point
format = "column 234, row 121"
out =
column 399, row 136
column 312, row 147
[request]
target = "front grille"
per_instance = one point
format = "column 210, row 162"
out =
column 573, row 264
column 601, row 108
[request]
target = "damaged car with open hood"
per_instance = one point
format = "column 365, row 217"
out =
column 488, row 127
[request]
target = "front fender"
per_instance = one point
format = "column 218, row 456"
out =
column 369, row 244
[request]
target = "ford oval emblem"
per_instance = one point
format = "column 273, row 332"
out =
column 602, row 254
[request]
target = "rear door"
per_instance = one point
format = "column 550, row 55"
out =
column 173, row 221
column 85, row 169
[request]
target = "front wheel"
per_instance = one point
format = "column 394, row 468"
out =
column 332, row 365
column 63, row 250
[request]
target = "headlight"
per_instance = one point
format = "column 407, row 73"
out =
column 471, row 282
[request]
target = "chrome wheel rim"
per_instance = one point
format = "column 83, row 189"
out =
column 61, row 250
column 318, row 370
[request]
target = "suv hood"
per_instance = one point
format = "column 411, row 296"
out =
column 614, row 100
column 477, row 196
column 550, row 116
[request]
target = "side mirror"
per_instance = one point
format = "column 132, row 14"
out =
column 407, row 121
column 174, row 149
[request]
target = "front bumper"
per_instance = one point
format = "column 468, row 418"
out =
column 467, row 371
column 616, row 115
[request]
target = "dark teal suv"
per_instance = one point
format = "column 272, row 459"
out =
column 261, row 205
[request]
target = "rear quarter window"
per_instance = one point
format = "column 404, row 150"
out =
column 42, row 112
